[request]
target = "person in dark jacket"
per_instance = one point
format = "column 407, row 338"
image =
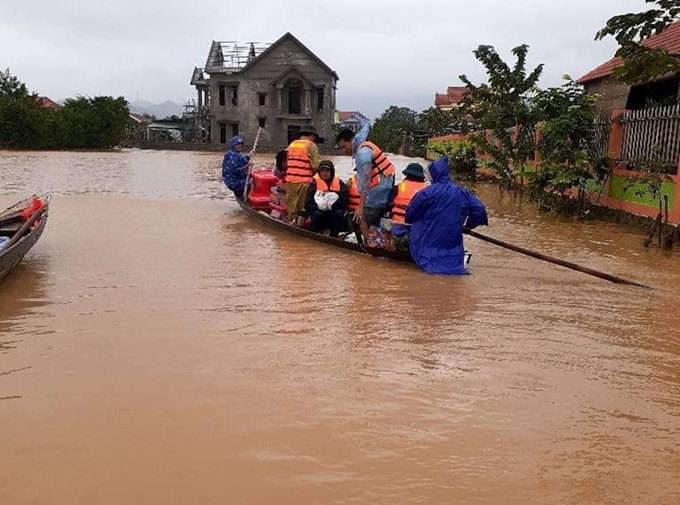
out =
column 235, row 167
column 326, row 201
column 437, row 215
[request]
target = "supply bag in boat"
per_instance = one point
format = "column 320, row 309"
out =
column 325, row 199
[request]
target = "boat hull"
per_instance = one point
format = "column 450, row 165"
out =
column 263, row 217
column 10, row 257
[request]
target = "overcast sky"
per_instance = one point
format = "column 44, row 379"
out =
column 385, row 52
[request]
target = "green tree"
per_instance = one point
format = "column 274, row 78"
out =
column 641, row 63
column 394, row 127
column 567, row 160
column 10, row 86
column 94, row 123
column 503, row 107
column 435, row 122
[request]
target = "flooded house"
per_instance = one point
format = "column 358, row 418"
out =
column 278, row 87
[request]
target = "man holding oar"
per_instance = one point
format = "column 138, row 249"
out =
column 437, row 215
column 235, row 167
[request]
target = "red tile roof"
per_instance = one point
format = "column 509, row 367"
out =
column 669, row 40
column 454, row 95
column 47, row 103
column 345, row 114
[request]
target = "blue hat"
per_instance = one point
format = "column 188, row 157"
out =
column 236, row 141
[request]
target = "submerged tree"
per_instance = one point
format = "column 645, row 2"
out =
column 642, row 63
column 503, row 107
column 566, row 129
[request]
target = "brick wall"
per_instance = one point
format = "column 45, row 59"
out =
column 613, row 95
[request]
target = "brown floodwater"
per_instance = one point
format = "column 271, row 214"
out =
column 157, row 347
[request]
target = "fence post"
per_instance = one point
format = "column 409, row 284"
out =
column 674, row 216
column 616, row 135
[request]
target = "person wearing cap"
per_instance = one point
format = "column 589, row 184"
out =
column 438, row 214
column 303, row 163
column 413, row 182
column 326, row 201
column 235, row 167
column 375, row 176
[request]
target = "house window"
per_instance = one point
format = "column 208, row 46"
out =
column 223, row 95
column 233, row 91
column 234, row 129
column 223, row 133
column 263, row 122
column 262, row 97
column 319, row 98
column 294, row 100
column 293, row 133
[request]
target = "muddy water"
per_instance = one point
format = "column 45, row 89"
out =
column 157, row 347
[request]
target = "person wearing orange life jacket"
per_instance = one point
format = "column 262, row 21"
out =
column 302, row 164
column 354, row 195
column 404, row 192
column 327, row 200
column 375, row 176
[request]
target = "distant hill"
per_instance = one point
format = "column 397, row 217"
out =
column 160, row 110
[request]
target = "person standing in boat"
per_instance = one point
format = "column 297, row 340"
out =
column 404, row 193
column 235, row 167
column 438, row 214
column 327, row 199
column 302, row 164
column 375, row 176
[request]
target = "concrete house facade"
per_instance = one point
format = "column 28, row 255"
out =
column 278, row 87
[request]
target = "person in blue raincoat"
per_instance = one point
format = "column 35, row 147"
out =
column 437, row 215
column 235, row 167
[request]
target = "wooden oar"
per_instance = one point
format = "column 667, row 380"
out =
column 250, row 163
column 556, row 261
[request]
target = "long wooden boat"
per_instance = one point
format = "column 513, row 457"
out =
column 377, row 252
column 21, row 225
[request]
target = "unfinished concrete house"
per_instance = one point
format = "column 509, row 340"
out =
column 279, row 87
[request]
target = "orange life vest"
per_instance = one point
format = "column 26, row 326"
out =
column 299, row 168
column 381, row 165
column 405, row 192
column 354, row 195
column 322, row 186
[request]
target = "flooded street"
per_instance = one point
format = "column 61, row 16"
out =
column 157, row 347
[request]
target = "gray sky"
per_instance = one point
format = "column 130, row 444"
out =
column 385, row 52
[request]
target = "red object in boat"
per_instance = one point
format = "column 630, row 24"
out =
column 260, row 192
column 36, row 205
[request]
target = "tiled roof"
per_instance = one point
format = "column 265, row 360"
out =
column 47, row 103
column 669, row 40
column 454, row 95
column 345, row 114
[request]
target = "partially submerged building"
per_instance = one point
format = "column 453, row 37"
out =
column 278, row 87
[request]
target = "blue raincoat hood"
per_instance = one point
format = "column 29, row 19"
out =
column 235, row 141
column 439, row 171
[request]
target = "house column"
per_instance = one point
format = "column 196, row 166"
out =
column 308, row 101
column 200, row 98
column 279, row 98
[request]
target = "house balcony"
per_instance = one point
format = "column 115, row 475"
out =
column 300, row 117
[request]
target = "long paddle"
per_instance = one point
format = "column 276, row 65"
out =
column 556, row 261
column 250, row 164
